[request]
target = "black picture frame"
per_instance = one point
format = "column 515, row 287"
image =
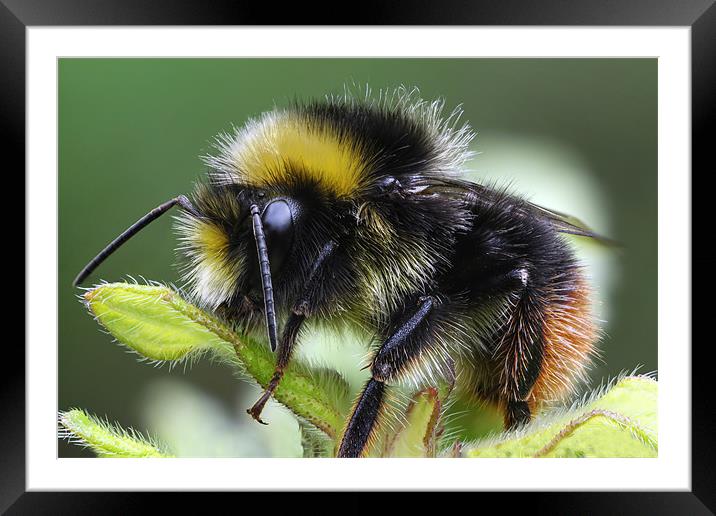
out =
column 700, row 15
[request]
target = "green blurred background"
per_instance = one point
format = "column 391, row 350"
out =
column 576, row 135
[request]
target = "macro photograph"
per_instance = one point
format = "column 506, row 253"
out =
column 357, row 258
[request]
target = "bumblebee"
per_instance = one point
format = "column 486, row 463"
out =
column 355, row 212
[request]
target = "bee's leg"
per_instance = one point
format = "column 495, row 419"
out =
column 404, row 343
column 520, row 351
column 517, row 413
column 284, row 351
column 300, row 311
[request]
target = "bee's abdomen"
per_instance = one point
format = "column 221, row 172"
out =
column 542, row 337
column 569, row 336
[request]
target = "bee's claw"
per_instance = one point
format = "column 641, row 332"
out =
column 255, row 411
column 256, row 414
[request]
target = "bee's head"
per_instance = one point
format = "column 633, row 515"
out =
column 222, row 242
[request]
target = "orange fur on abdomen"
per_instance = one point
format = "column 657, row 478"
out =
column 569, row 337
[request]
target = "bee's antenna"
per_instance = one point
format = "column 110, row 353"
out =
column 265, row 269
column 130, row 232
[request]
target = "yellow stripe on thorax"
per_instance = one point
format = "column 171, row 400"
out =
column 284, row 140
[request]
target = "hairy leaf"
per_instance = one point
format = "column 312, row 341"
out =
column 106, row 439
column 620, row 421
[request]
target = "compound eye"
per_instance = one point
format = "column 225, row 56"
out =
column 277, row 219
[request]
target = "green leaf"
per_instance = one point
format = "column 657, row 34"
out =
column 106, row 439
column 620, row 422
column 417, row 438
column 152, row 320
column 158, row 323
